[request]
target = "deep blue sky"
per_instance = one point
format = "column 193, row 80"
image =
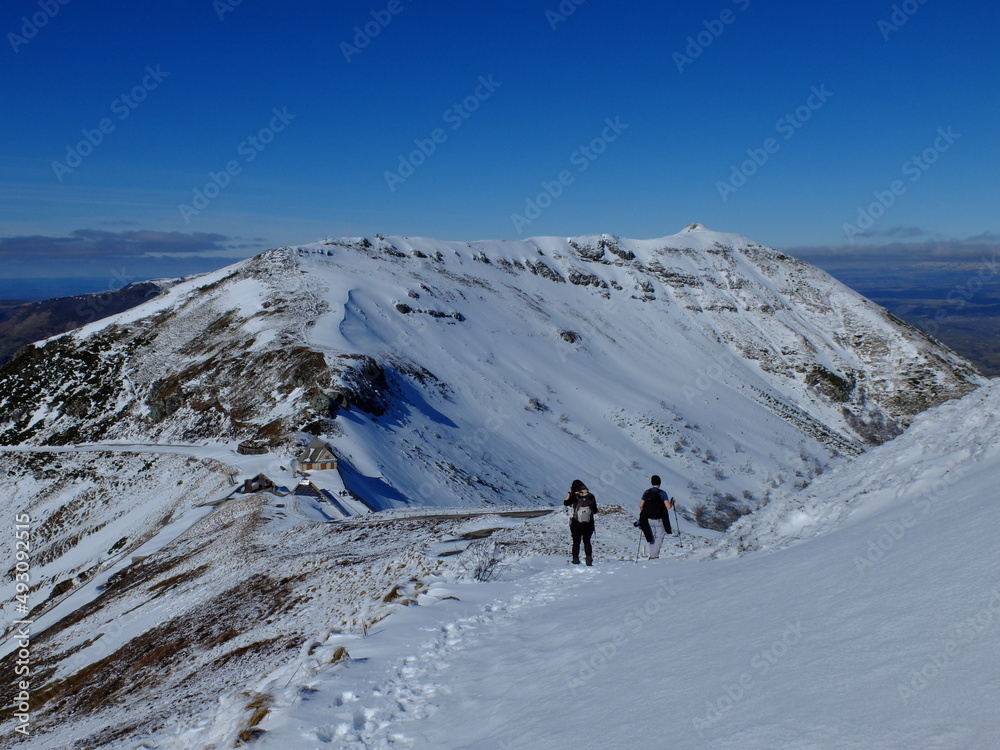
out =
column 209, row 83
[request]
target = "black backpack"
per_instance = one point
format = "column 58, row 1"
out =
column 653, row 506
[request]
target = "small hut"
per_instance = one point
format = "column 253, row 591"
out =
column 252, row 448
column 317, row 456
column 259, row 483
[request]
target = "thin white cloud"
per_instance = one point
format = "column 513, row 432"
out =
column 952, row 252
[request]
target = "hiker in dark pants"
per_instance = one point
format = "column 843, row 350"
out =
column 581, row 525
column 653, row 517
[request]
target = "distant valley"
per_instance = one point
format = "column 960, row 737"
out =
column 23, row 322
column 958, row 308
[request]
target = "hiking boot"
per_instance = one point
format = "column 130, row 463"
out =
column 590, row 561
column 576, row 560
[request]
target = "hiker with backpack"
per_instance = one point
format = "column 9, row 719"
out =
column 654, row 520
column 583, row 508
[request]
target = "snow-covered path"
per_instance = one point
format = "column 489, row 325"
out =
column 880, row 633
column 791, row 650
column 869, row 618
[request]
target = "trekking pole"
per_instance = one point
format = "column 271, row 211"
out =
column 677, row 522
column 639, row 547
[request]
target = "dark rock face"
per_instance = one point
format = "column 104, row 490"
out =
column 166, row 397
column 831, row 385
column 540, row 269
column 877, row 429
column 366, row 386
column 582, row 278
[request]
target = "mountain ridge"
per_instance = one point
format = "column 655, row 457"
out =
column 348, row 337
column 472, row 376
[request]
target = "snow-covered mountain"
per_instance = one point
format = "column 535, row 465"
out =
column 449, row 373
column 875, row 626
column 870, row 621
column 443, row 374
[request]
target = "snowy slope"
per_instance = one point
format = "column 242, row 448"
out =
column 463, row 364
column 874, row 628
column 482, row 376
column 914, row 481
column 808, row 647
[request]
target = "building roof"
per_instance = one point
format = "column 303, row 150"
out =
column 306, row 488
column 316, row 452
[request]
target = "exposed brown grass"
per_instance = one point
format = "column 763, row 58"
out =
column 173, row 582
column 155, row 656
column 261, row 707
column 256, row 650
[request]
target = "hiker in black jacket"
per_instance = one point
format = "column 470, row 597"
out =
column 653, row 517
column 581, row 524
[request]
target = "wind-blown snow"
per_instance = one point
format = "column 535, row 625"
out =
column 881, row 633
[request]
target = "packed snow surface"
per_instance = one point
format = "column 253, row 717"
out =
column 876, row 625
